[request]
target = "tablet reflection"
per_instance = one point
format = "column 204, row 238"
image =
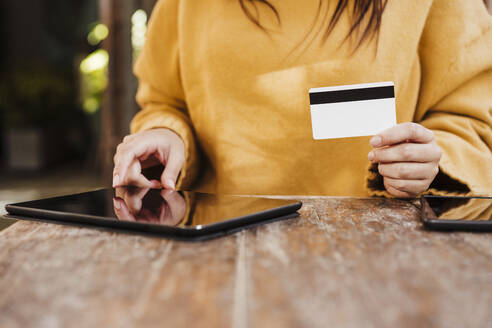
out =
column 473, row 209
column 185, row 208
column 166, row 207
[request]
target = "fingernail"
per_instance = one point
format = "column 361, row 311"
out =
column 116, row 180
column 375, row 141
column 170, row 183
column 370, row 156
column 116, row 204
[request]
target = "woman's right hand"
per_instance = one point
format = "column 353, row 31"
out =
column 146, row 149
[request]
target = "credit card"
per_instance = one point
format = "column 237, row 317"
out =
column 352, row 110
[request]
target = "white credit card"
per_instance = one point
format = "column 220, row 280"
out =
column 352, row 110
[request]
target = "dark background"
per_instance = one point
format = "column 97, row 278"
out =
column 56, row 116
column 44, row 42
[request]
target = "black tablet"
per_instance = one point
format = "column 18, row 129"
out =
column 175, row 214
column 457, row 213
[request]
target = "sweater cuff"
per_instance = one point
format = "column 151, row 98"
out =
column 374, row 182
column 443, row 184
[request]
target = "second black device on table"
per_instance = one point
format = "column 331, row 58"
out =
column 457, row 213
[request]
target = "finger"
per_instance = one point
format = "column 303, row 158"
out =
column 120, row 192
column 165, row 215
column 142, row 182
column 134, row 177
column 126, row 154
column 176, row 203
column 412, row 187
column 408, row 170
column 141, row 192
column 134, row 200
column 406, row 152
column 128, row 138
column 148, row 216
column 121, row 210
column 172, row 168
column 175, row 207
column 403, row 132
column 397, row 193
column 117, row 169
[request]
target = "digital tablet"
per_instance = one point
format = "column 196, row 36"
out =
column 174, row 214
column 457, row 213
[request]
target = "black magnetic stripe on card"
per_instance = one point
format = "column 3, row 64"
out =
column 326, row 97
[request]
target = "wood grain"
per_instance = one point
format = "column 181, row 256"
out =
column 345, row 263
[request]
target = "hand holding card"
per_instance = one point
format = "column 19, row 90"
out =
column 408, row 158
column 407, row 154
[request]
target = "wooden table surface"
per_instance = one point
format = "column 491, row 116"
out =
column 344, row 263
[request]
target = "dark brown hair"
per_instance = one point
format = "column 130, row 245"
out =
column 373, row 9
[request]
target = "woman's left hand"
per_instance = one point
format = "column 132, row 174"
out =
column 408, row 158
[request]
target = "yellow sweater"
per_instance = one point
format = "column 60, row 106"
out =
column 239, row 96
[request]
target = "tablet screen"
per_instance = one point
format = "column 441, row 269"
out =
column 458, row 208
column 185, row 209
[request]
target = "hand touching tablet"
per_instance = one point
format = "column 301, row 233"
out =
column 147, row 149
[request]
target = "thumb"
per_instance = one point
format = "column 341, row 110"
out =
column 174, row 164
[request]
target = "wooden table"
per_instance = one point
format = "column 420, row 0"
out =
column 344, row 263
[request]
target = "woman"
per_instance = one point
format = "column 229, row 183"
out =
column 224, row 93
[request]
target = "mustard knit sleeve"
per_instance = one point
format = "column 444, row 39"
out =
column 455, row 99
column 160, row 93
